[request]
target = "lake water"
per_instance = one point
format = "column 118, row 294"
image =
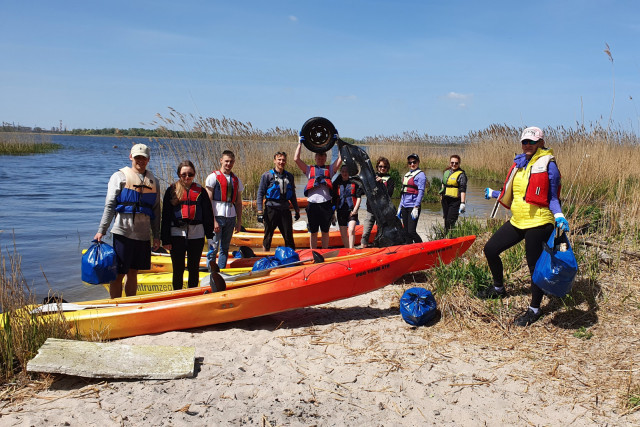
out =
column 51, row 204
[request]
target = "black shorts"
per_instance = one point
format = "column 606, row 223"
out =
column 344, row 216
column 319, row 216
column 131, row 254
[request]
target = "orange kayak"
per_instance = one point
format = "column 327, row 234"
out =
column 301, row 240
column 311, row 285
column 316, row 284
column 302, row 202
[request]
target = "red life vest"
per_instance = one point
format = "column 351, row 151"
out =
column 408, row 184
column 537, row 192
column 347, row 194
column 318, row 175
column 220, row 192
column 189, row 201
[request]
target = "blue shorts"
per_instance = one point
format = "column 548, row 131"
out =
column 131, row 254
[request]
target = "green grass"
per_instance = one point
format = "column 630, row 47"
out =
column 583, row 334
column 17, row 144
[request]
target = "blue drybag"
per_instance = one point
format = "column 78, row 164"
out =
column 264, row 263
column 286, row 255
column 417, row 306
column 557, row 266
column 99, row 264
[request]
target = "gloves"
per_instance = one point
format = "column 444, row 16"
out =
column 415, row 213
column 301, row 139
column 562, row 224
column 463, row 208
column 487, row 193
column 296, row 216
column 399, row 215
column 212, row 251
column 260, row 218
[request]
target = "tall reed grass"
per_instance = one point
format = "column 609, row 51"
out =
column 21, row 333
column 16, row 144
column 600, row 169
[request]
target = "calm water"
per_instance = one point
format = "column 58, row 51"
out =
column 51, row 204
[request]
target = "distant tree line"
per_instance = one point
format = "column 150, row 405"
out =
column 140, row 132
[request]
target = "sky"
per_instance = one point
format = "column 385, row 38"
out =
column 371, row 67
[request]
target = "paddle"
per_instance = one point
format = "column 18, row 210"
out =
column 495, row 209
column 219, row 278
column 300, row 225
column 66, row 306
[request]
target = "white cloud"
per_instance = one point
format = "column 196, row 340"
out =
column 293, row 18
column 458, row 96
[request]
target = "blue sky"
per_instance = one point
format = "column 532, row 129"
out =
column 371, row 67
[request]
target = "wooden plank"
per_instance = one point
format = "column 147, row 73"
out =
column 113, row 360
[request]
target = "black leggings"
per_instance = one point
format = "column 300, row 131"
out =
column 411, row 224
column 193, row 250
column 450, row 211
column 508, row 236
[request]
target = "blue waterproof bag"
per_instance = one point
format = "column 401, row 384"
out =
column 557, row 266
column 417, row 306
column 286, row 255
column 264, row 263
column 99, row 264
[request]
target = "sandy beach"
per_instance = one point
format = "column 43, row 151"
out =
column 357, row 362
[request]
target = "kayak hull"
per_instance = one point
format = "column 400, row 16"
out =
column 312, row 285
column 301, row 240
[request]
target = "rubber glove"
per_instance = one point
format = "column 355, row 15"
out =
column 414, row 213
column 297, row 216
column 561, row 224
column 399, row 215
column 463, row 208
column 260, row 218
column 211, row 254
column 487, row 193
column 301, row 139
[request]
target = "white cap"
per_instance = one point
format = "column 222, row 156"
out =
column 140, row 150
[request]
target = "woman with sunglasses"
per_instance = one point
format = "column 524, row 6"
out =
column 382, row 175
column 414, row 184
column 187, row 218
column 453, row 192
column 531, row 191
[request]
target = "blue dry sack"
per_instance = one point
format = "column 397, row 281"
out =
column 286, row 255
column 557, row 266
column 264, row 263
column 417, row 306
column 99, row 264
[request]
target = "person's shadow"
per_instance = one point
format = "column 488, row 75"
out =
column 565, row 311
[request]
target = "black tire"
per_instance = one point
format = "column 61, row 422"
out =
column 319, row 134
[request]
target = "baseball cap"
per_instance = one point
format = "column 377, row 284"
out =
column 140, row 150
column 532, row 133
column 413, row 156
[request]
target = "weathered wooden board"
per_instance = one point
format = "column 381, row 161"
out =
column 113, row 360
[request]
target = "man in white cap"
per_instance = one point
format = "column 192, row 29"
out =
column 133, row 198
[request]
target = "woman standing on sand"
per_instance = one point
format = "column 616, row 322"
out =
column 453, row 192
column 531, row 192
column 187, row 218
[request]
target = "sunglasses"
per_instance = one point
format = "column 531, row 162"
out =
column 455, row 163
column 190, row 175
column 529, row 142
column 412, row 162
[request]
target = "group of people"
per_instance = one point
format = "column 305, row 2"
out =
column 192, row 213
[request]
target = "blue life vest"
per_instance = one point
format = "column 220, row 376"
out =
column 138, row 195
column 280, row 187
column 346, row 195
